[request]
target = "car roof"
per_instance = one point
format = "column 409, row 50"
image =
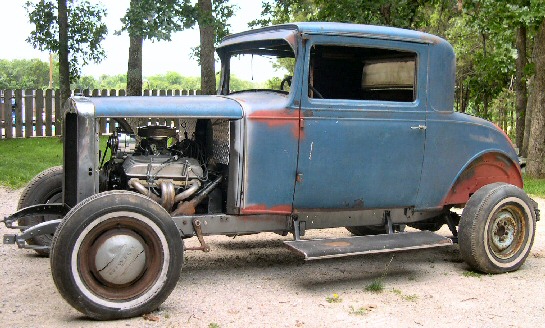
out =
column 330, row 28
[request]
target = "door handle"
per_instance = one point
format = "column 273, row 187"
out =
column 420, row 127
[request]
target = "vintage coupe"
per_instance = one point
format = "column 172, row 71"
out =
column 355, row 130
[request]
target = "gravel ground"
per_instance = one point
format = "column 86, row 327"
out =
column 254, row 281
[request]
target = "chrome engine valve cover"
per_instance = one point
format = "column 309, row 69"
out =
column 162, row 167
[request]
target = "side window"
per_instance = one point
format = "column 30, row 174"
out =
column 361, row 73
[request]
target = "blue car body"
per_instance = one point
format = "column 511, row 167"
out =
column 304, row 154
column 297, row 153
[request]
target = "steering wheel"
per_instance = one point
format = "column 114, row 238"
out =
column 287, row 80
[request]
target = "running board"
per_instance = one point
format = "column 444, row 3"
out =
column 314, row 249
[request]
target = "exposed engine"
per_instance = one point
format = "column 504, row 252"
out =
column 154, row 162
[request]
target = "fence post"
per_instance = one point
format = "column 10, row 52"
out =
column 8, row 122
column 48, row 112
column 39, row 113
column 58, row 115
column 18, row 113
column 29, row 117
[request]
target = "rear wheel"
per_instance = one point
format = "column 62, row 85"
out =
column 497, row 228
column 44, row 188
column 116, row 255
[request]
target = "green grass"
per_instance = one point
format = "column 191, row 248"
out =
column 377, row 286
column 472, row 274
column 405, row 297
column 334, row 299
column 22, row 159
column 534, row 187
column 359, row 311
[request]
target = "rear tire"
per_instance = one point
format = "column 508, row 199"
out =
column 116, row 255
column 46, row 187
column 497, row 228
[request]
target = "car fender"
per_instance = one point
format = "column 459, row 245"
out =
column 484, row 168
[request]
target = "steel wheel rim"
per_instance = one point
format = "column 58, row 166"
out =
column 507, row 231
column 106, row 288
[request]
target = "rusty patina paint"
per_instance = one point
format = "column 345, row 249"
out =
column 487, row 169
column 279, row 118
column 263, row 209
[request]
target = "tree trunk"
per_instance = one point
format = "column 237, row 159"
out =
column 536, row 146
column 520, row 86
column 528, row 118
column 485, row 97
column 207, row 36
column 64, row 65
column 386, row 12
column 134, row 69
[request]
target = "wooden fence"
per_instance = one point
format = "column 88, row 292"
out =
column 37, row 113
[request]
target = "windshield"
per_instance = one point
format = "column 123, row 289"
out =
column 259, row 66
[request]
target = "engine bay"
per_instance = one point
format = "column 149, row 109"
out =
column 168, row 168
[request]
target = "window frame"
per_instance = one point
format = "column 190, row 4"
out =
column 420, row 49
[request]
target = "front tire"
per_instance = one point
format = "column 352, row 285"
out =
column 44, row 188
column 116, row 255
column 497, row 228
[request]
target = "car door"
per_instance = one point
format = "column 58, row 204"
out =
column 363, row 123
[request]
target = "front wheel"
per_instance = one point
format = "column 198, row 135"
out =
column 116, row 255
column 497, row 228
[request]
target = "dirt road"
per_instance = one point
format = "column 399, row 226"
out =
column 254, row 281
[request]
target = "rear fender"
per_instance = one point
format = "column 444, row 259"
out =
column 483, row 170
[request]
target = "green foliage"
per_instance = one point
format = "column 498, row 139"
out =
column 376, row 286
column 172, row 80
column 168, row 81
column 359, row 311
column 400, row 13
column 334, row 299
column 534, row 187
column 273, row 83
column 471, row 274
column 238, row 84
column 85, row 32
column 155, row 20
column 158, row 19
column 22, row 159
column 405, row 297
column 25, row 74
column 112, row 81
